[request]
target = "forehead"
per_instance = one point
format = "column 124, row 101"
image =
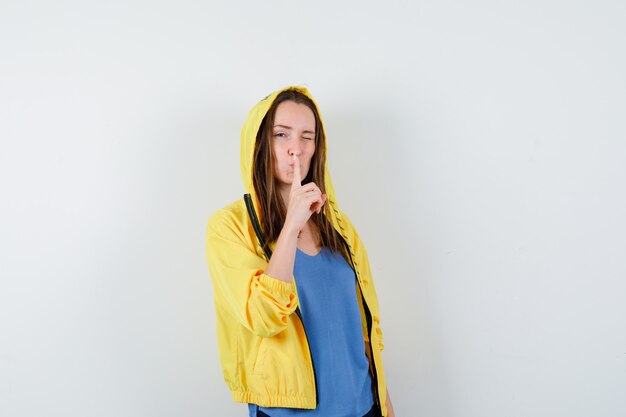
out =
column 292, row 114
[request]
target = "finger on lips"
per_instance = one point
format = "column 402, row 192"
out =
column 313, row 191
column 297, row 176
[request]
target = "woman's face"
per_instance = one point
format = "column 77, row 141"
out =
column 293, row 133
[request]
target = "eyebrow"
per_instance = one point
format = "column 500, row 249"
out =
column 289, row 128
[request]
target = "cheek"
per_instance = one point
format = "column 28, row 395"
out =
column 308, row 147
column 280, row 165
column 279, row 151
column 275, row 153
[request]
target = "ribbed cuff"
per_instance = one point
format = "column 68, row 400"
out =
column 274, row 284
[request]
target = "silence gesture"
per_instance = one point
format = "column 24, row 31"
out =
column 303, row 199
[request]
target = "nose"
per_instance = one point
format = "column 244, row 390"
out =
column 295, row 150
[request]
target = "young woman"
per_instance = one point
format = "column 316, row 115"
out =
column 297, row 313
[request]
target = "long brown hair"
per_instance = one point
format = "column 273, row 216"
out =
column 273, row 210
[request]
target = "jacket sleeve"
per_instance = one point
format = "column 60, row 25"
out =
column 364, row 265
column 257, row 301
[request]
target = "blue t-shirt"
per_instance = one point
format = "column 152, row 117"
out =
column 332, row 320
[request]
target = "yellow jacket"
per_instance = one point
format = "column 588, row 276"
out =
column 262, row 344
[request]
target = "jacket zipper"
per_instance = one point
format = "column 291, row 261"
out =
column 310, row 354
column 268, row 255
column 368, row 318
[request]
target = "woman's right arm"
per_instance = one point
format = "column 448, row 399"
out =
column 261, row 296
column 284, row 254
column 242, row 288
column 304, row 200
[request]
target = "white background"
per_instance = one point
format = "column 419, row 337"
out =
column 479, row 148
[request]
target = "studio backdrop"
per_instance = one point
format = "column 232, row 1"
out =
column 478, row 147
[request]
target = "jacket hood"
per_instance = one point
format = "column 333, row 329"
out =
column 248, row 141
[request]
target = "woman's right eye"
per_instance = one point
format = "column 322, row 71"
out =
column 280, row 135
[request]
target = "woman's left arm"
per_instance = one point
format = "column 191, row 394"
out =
column 390, row 412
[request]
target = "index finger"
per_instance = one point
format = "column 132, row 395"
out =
column 297, row 176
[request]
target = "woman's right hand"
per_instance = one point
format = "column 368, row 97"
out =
column 304, row 200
